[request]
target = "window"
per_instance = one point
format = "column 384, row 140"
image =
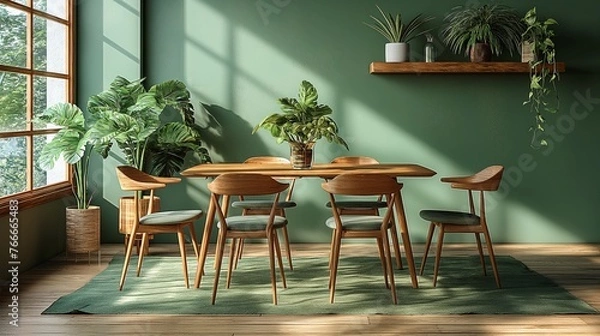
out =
column 36, row 71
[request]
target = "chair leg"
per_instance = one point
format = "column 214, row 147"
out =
column 194, row 240
column 181, row 239
column 218, row 262
column 286, row 240
column 127, row 259
column 279, row 259
column 272, row 265
column 488, row 243
column 240, row 250
column 382, row 259
column 232, row 259
column 394, row 233
column 480, row 250
column 427, row 246
column 438, row 254
column 335, row 262
column 141, row 255
column 388, row 266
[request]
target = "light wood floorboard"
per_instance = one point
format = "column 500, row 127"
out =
column 576, row 267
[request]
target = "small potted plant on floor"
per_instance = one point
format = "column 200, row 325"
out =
column 480, row 31
column 72, row 145
column 398, row 33
column 302, row 123
column 543, row 72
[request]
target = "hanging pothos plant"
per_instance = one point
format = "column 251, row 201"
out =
column 543, row 73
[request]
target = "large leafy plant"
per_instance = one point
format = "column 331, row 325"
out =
column 303, row 120
column 543, row 72
column 128, row 115
column 71, row 144
column 395, row 30
column 498, row 26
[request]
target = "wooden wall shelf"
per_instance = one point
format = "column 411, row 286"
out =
column 453, row 67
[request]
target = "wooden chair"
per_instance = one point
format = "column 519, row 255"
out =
column 262, row 206
column 362, row 226
column 487, row 179
column 132, row 179
column 366, row 206
column 247, row 226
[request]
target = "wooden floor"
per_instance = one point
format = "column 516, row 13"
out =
column 575, row 267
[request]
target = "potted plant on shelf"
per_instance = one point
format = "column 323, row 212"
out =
column 302, row 123
column 543, row 72
column 398, row 34
column 128, row 115
column 72, row 144
column 480, row 31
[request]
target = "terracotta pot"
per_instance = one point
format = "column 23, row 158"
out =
column 480, row 52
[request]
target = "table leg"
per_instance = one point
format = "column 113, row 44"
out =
column 210, row 215
column 406, row 240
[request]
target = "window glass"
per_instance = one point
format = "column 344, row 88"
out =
column 13, row 99
column 13, row 36
column 13, row 165
column 49, row 44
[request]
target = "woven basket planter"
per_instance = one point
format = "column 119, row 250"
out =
column 83, row 229
column 127, row 214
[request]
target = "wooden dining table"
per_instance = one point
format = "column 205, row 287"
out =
column 325, row 171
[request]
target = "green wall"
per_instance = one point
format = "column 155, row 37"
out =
column 238, row 59
column 41, row 235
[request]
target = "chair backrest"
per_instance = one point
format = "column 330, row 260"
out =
column 488, row 179
column 133, row 179
column 354, row 184
column 245, row 184
column 357, row 160
column 276, row 160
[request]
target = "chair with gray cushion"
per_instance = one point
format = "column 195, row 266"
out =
column 132, row 179
column 473, row 222
column 359, row 225
column 365, row 206
column 236, row 227
column 263, row 206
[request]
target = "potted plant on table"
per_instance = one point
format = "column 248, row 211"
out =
column 302, row 123
column 128, row 115
column 72, row 144
column 480, row 31
column 398, row 34
column 543, row 72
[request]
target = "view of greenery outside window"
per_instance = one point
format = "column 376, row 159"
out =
column 35, row 72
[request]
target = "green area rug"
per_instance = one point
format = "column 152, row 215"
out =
column 462, row 289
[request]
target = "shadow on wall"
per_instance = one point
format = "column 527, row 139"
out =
column 233, row 143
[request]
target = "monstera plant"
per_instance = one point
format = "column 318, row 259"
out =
column 128, row 115
column 303, row 122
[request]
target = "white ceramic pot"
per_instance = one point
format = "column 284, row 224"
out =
column 397, row 52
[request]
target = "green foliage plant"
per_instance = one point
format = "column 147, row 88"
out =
column 543, row 73
column 72, row 143
column 303, row 121
column 395, row 30
column 498, row 26
column 128, row 115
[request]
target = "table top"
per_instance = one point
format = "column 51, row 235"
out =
column 324, row 170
